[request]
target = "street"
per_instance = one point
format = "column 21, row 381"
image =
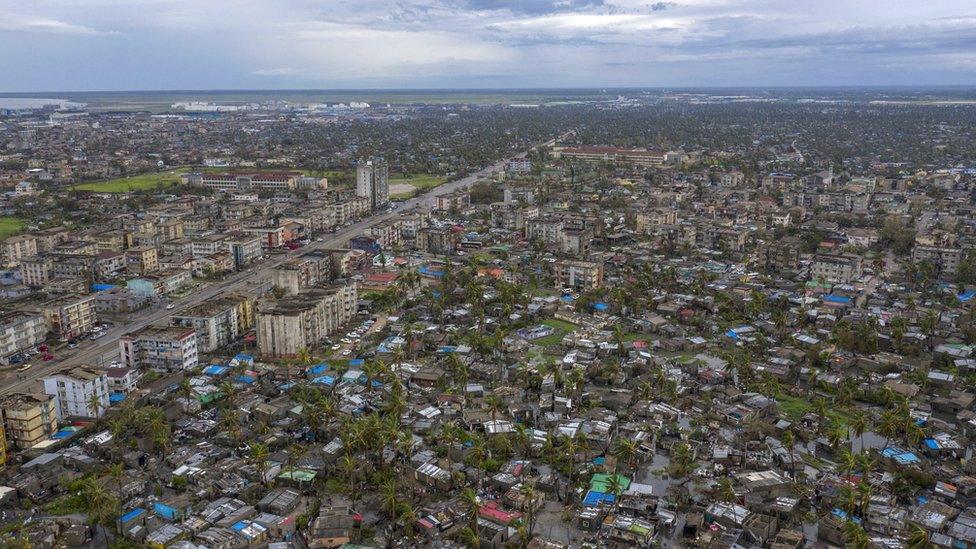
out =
column 105, row 349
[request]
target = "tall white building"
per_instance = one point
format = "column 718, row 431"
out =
column 372, row 182
column 72, row 389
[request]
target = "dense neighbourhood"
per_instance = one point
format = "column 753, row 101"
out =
column 604, row 328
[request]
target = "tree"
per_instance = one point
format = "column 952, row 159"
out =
column 725, row 490
column 856, row 537
column 473, row 504
column 259, row 457
column 625, row 452
column 95, row 404
column 918, row 538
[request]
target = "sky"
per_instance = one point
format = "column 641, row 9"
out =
column 97, row 45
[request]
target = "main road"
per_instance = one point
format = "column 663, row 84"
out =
column 94, row 352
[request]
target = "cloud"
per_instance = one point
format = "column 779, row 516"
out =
column 11, row 22
column 281, row 71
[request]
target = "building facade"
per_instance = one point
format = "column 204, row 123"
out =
column 160, row 348
column 78, row 392
column 372, row 182
column 286, row 325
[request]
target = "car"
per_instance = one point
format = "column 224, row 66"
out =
column 24, row 368
column 347, row 352
column 43, row 348
column 47, row 357
column 170, row 307
column 318, row 240
column 336, row 347
column 72, row 345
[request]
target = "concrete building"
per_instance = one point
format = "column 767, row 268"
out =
column 946, row 260
column 171, row 348
column 372, row 182
column 578, row 275
column 70, row 316
column 434, row 240
column 458, row 200
column 286, row 325
column 218, row 322
column 158, row 285
column 29, row 418
column 141, row 260
column 837, row 268
column 20, row 331
column 243, row 181
column 16, row 248
column 639, row 157
column 75, row 391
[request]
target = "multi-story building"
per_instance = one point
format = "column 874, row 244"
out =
column 70, row 316
column 286, row 325
column 20, row 331
column 244, row 249
column 37, row 271
column 372, row 182
column 169, row 348
column 524, row 195
column 639, row 157
column 81, row 391
column 648, row 220
column 29, row 418
column 578, row 275
column 234, row 181
column 387, row 233
column 512, row 216
column 141, row 260
column 16, row 248
column 218, row 322
column 946, row 260
column 842, row 269
column 435, row 240
column 458, row 200
column 157, row 285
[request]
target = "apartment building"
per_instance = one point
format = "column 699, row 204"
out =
column 435, row 240
column 70, row 316
column 29, row 418
column 386, row 233
column 218, row 322
column 16, row 248
column 372, row 182
column 169, row 348
column 841, row 269
column 286, row 325
column 20, row 331
column 141, row 260
column 511, row 216
column 37, row 271
column 81, row 391
column 157, row 285
column 946, row 260
column 458, row 200
column 578, row 275
column 648, row 220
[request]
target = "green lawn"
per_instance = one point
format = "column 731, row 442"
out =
column 10, row 226
column 134, row 183
column 421, row 182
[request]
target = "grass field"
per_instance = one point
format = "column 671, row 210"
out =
column 10, row 226
column 421, row 182
column 134, row 183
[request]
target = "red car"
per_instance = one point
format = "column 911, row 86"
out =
column 43, row 348
column 47, row 357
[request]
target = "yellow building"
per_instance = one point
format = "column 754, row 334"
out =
column 28, row 419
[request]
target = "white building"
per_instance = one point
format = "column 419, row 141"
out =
column 73, row 389
column 160, row 348
column 372, row 182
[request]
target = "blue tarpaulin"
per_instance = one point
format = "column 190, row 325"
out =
column 356, row 362
column 101, row 287
column 600, row 306
column 246, row 379
column 594, row 498
column 132, row 515
column 831, row 298
column 215, row 370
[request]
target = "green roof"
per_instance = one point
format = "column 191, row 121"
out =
column 601, row 483
column 301, row 475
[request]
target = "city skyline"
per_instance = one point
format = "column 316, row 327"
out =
column 296, row 44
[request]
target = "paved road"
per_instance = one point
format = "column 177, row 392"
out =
column 96, row 352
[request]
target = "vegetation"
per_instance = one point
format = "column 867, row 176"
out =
column 10, row 226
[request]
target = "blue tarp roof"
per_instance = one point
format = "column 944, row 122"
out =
column 967, row 295
column 325, row 380
column 245, row 379
column 600, row 306
column 101, row 287
column 931, row 443
column 357, row 362
column 116, row 397
column 831, row 298
column 594, row 498
column 732, row 334
column 215, row 370
column 133, row 514
column 316, row 370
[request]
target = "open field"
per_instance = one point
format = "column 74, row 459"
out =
column 134, row 183
column 10, row 226
column 401, row 187
column 562, row 328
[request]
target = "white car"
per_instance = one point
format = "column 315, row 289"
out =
column 336, row 347
column 347, row 352
column 170, row 307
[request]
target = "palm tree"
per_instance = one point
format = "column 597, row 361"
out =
column 494, row 404
column 101, row 505
column 625, row 452
column 725, row 490
column 615, row 486
column 95, row 405
column 528, row 494
column 473, row 504
column 388, row 497
column 790, row 443
column 303, row 356
column 857, row 425
column 918, row 538
column 856, row 537
column 259, row 457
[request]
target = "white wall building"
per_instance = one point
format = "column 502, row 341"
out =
column 73, row 389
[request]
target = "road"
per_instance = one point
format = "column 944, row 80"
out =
column 93, row 352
